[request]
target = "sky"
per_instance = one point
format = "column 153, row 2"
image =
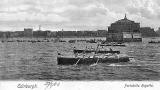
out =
column 76, row 14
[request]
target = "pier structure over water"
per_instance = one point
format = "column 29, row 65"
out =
column 124, row 30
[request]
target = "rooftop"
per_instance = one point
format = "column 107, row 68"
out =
column 124, row 20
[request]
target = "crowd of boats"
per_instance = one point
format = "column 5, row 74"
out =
column 33, row 40
column 103, row 42
column 87, row 56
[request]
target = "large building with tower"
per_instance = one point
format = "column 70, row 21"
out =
column 124, row 30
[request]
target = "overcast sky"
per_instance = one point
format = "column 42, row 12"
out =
column 76, row 14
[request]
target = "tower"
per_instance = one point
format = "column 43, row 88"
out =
column 125, row 17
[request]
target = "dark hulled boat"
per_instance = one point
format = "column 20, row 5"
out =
column 113, row 45
column 63, row 60
column 154, row 42
column 99, row 51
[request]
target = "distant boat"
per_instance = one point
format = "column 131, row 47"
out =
column 72, row 41
column 123, row 45
column 62, row 41
column 91, row 41
column 153, row 38
column 99, row 51
column 113, row 44
column 154, row 42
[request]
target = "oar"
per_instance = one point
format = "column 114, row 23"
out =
column 80, row 58
column 95, row 63
column 94, row 56
column 77, row 62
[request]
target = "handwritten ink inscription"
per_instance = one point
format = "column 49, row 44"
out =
column 50, row 84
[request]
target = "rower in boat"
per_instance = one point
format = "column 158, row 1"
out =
column 110, row 49
column 96, row 57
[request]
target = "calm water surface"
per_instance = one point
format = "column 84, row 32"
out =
column 37, row 61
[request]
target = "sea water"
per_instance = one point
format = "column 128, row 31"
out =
column 38, row 61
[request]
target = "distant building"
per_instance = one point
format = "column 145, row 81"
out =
column 42, row 34
column 28, row 32
column 158, row 31
column 101, row 33
column 148, row 32
column 124, row 30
